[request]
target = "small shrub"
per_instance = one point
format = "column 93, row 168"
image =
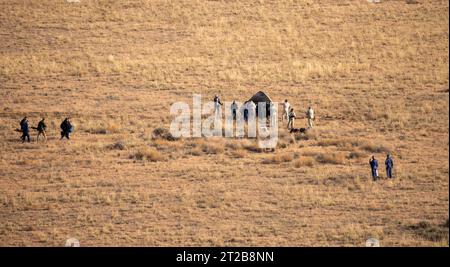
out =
column 331, row 158
column 117, row 146
column 251, row 146
column 304, row 161
column 347, row 143
column 196, row 151
column 309, row 135
column 162, row 133
column 99, row 130
column 147, row 154
column 279, row 158
column 355, row 155
column 282, row 145
column 310, row 153
column 165, row 146
column 112, row 128
column 196, row 142
column 212, row 148
column 374, row 148
column 240, row 153
column 160, row 143
column 285, row 139
column 287, row 157
column 233, row 145
column 330, row 142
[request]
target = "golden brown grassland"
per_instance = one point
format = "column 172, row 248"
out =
column 377, row 76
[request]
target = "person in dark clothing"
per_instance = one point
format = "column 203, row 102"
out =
column 23, row 120
column 41, row 129
column 63, row 127
column 374, row 167
column 245, row 110
column 25, row 130
column 66, row 128
column 234, row 108
column 389, row 166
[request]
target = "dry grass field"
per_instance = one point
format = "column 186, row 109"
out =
column 376, row 74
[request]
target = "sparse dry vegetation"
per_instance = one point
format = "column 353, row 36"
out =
column 117, row 146
column 162, row 133
column 376, row 75
column 304, row 162
column 428, row 231
column 240, row 153
column 212, row 148
column 147, row 154
column 279, row 158
column 331, row 158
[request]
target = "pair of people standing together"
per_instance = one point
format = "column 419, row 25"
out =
column 374, row 167
column 289, row 115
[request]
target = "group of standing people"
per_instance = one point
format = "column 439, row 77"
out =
column 249, row 107
column 66, row 129
column 289, row 115
column 389, row 163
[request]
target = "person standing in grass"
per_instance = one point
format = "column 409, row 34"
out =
column 217, row 104
column 251, row 107
column 66, row 128
column 286, row 107
column 244, row 110
column 374, row 167
column 389, row 166
column 291, row 117
column 41, row 129
column 310, row 116
column 25, row 130
column 234, row 108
